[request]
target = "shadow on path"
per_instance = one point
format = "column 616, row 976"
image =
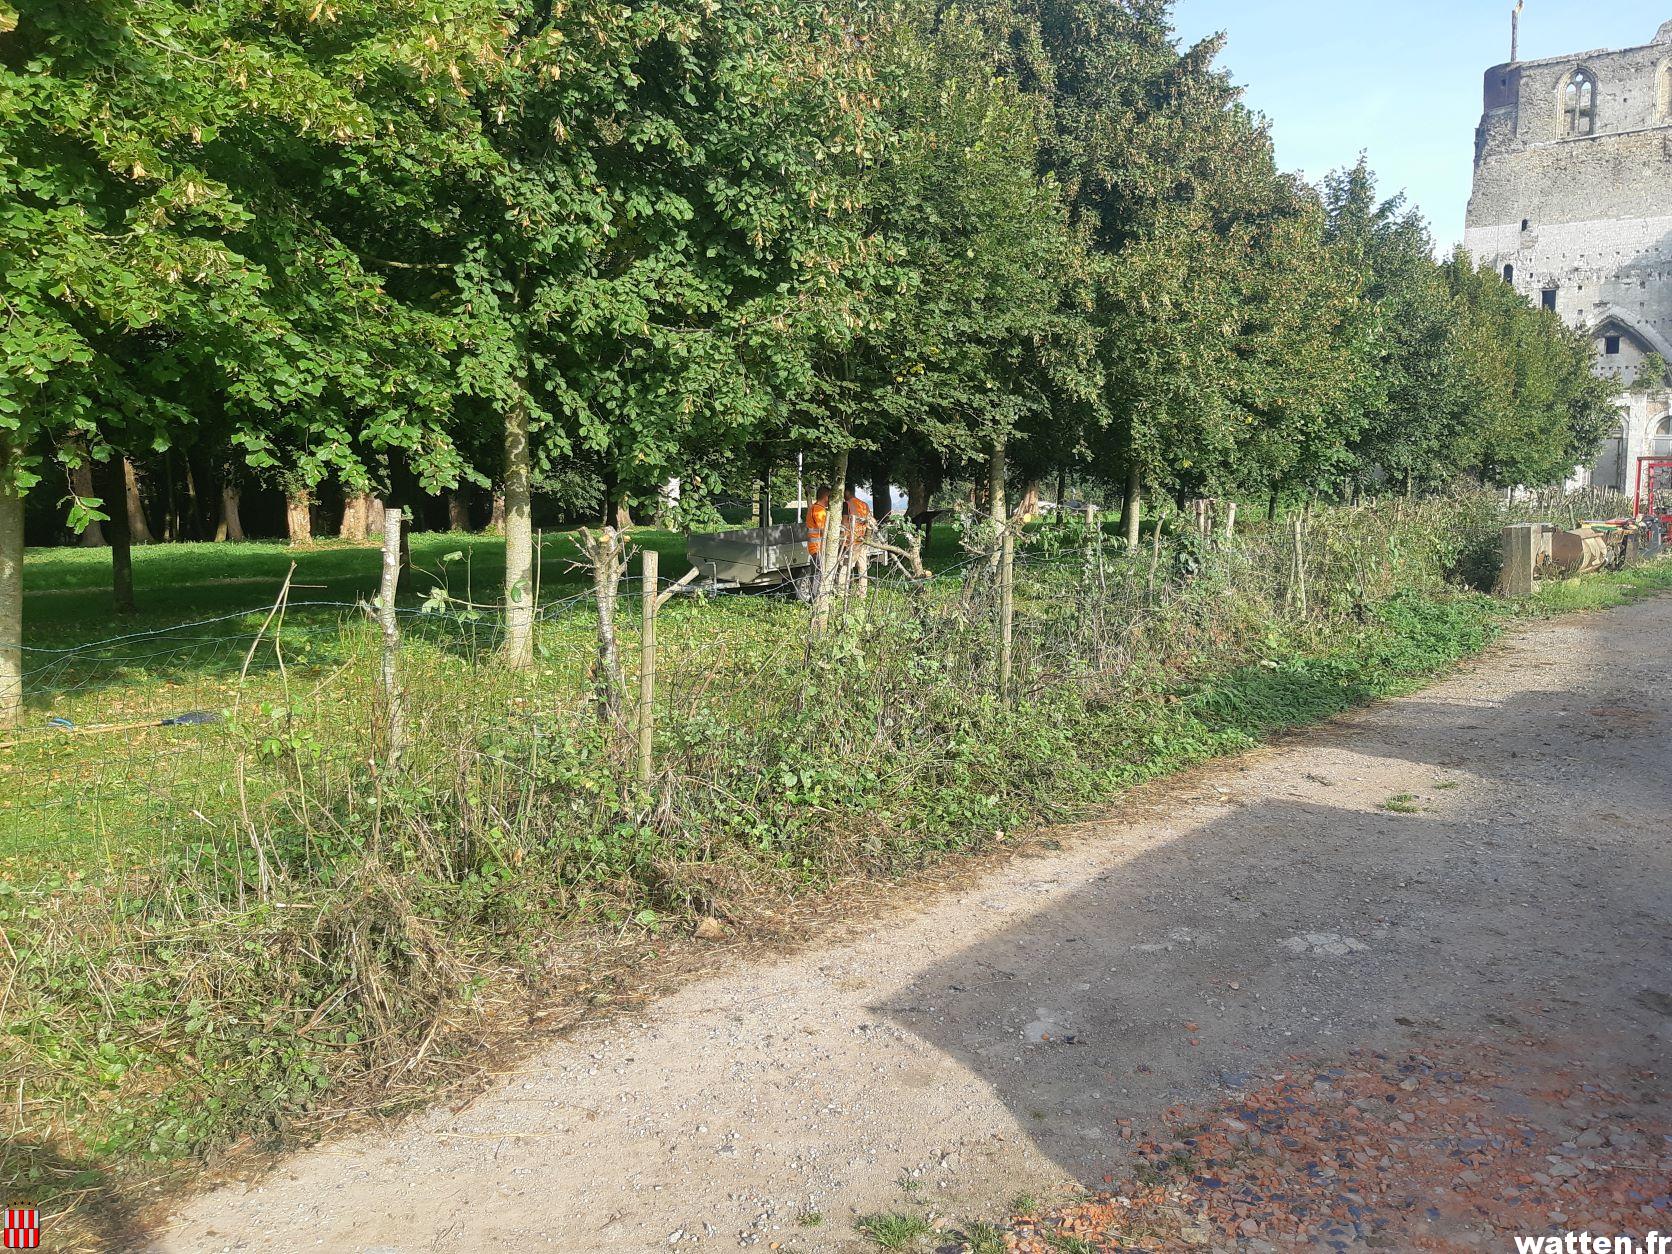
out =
column 1533, row 894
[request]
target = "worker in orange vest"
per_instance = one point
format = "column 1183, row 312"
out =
column 856, row 525
column 818, row 515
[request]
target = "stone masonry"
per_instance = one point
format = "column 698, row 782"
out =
column 1573, row 204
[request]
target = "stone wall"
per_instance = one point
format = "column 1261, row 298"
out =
column 1585, row 220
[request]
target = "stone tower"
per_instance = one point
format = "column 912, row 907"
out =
column 1573, row 204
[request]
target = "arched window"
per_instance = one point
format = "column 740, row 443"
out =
column 1579, row 103
column 1509, row 274
column 1663, row 428
column 1663, row 93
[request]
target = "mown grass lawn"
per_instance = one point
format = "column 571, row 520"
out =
column 67, row 590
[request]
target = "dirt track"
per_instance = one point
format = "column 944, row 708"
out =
column 1211, row 930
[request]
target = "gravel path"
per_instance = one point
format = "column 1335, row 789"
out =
column 1005, row 1037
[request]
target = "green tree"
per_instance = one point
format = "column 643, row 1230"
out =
column 970, row 349
column 636, row 218
column 1539, row 409
column 1188, row 226
column 153, row 250
column 1414, row 408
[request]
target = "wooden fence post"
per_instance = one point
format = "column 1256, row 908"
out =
column 1298, row 582
column 1155, row 554
column 1007, row 611
column 647, row 666
column 394, row 714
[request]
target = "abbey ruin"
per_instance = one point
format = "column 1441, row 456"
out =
column 1573, row 204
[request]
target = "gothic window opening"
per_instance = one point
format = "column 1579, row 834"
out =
column 1509, row 274
column 1663, row 94
column 1579, row 103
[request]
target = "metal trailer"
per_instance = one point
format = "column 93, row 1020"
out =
column 751, row 557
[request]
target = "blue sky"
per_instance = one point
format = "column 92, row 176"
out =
column 1400, row 79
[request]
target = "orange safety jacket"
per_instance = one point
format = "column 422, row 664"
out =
column 856, row 521
column 817, row 515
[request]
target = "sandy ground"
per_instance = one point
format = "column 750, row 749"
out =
column 993, row 1041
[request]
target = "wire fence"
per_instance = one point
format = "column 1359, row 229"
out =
column 208, row 731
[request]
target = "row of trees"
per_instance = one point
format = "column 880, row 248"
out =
column 517, row 243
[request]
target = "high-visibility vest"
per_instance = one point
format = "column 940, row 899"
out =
column 856, row 521
column 817, row 516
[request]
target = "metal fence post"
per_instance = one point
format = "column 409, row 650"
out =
column 394, row 714
column 1007, row 611
column 647, row 666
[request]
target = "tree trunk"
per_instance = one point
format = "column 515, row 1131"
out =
column 519, row 542
column 298, row 518
column 607, row 552
column 496, row 515
column 11, row 594
column 112, row 477
column 1271, row 505
column 1132, row 516
column 1062, row 489
column 995, row 486
column 81, row 483
column 375, row 507
column 995, row 500
column 171, row 502
column 623, row 514
column 917, row 495
column 231, row 525
column 353, row 525
column 882, row 490
column 192, row 525
column 139, row 532
column 1027, row 509
column 458, row 512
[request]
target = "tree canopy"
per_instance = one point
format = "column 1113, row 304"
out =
column 589, row 247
